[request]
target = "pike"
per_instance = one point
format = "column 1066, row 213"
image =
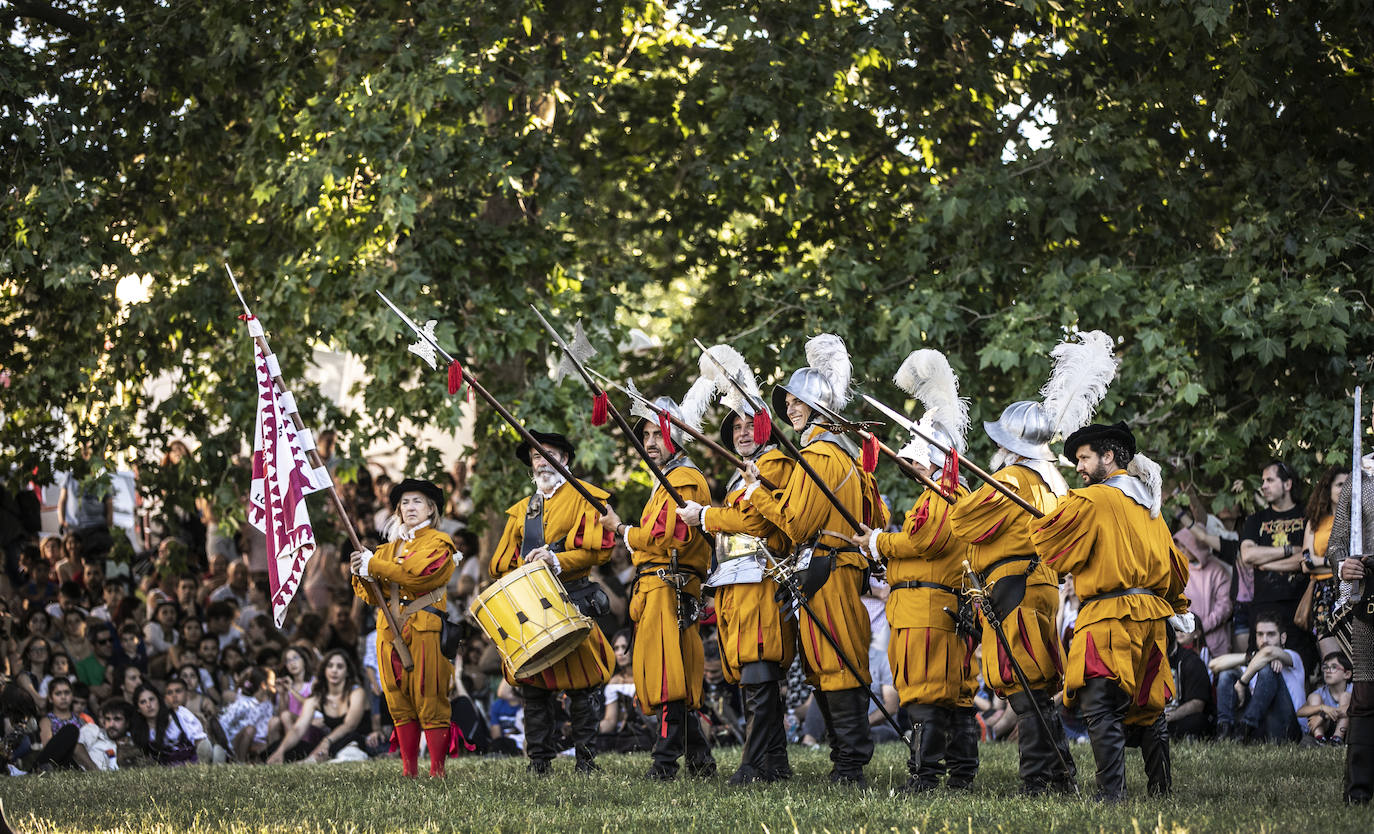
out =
column 729, row 457
column 313, row 455
column 913, row 427
column 614, row 412
column 426, row 335
column 982, row 600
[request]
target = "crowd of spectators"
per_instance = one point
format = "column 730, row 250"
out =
column 167, row 653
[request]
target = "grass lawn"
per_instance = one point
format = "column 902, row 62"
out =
column 1221, row 787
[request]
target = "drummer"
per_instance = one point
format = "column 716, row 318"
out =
column 412, row 569
column 559, row 527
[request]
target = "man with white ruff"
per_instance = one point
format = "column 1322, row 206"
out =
column 998, row 530
column 1130, row 579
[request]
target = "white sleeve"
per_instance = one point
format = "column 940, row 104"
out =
column 195, row 731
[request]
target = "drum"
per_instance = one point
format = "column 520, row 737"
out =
column 529, row 617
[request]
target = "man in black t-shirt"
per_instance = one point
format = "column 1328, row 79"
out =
column 1271, row 544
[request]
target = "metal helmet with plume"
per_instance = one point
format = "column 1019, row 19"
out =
column 1082, row 371
column 927, row 376
column 739, row 392
column 824, row 383
column 692, row 409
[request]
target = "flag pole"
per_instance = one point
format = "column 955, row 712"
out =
column 398, row 644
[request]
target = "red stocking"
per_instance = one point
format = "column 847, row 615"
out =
column 408, row 736
column 437, row 740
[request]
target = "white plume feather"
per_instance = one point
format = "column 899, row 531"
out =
column 1082, row 371
column 1152, row 476
column 697, row 400
column 729, row 362
column 927, row 376
column 827, row 354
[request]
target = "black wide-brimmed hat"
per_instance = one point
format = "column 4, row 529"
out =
column 425, row 488
column 552, row 440
column 1118, row 433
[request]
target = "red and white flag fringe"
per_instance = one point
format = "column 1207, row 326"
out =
column 282, row 477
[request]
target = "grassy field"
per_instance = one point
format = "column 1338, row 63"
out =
column 1217, row 788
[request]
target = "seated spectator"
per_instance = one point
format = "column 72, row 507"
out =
column 178, row 694
column 168, row 735
column 127, row 679
column 59, row 668
column 76, row 631
column 1192, row 713
column 199, row 682
column 93, row 586
column 246, row 719
column 59, row 732
column 185, row 649
column 72, row 568
column 1209, row 594
column 219, row 621
column 235, row 588
column 231, row 663
column 294, row 682
column 36, row 587
column 191, row 605
column 129, row 645
column 32, row 667
column 37, row 623
column 507, row 716
column 117, row 606
column 92, row 669
column 108, row 743
column 1258, row 697
column 1327, row 708
column 261, row 634
column 624, row 727
column 334, row 716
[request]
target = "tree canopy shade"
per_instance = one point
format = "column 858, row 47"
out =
column 1193, row 176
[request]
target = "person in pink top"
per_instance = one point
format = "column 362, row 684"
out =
column 1208, row 592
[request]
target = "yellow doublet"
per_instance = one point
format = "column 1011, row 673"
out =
column 413, row 568
column 752, row 625
column 668, row 661
column 571, row 521
column 1109, row 543
column 931, row 663
column 801, row 511
column 995, row 528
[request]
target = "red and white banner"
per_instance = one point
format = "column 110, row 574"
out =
column 282, row 477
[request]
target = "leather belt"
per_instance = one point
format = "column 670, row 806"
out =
column 934, row 586
column 1007, row 560
column 1129, row 592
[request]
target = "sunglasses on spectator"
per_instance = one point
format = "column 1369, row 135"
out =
column 100, row 641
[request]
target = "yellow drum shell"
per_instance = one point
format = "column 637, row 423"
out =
column 527, row 614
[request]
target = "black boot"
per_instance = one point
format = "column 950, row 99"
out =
column 700, row 762
column 930, row 737
column 1154, row 747
column 1359, row 750
column 539, row 729
column 851, row 741
column 961, row 754
column 1103, row 705
column 775, row 724
column 759, row 733
column 1041, row 747
column 671, row 741
column 586, row 706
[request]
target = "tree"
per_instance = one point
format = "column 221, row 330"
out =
column 1192, row 177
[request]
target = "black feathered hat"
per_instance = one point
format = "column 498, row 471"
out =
column 425, row 488
column 552, row 440
column 1118, row 433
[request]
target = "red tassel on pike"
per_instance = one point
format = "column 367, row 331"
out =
column 455, row 377
column 949, row 479
column 870, row 453
column 601, row 407
column 763, row 427
column 665, row 425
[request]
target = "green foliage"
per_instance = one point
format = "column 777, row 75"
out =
column 753, row 173
column 1218, row 788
